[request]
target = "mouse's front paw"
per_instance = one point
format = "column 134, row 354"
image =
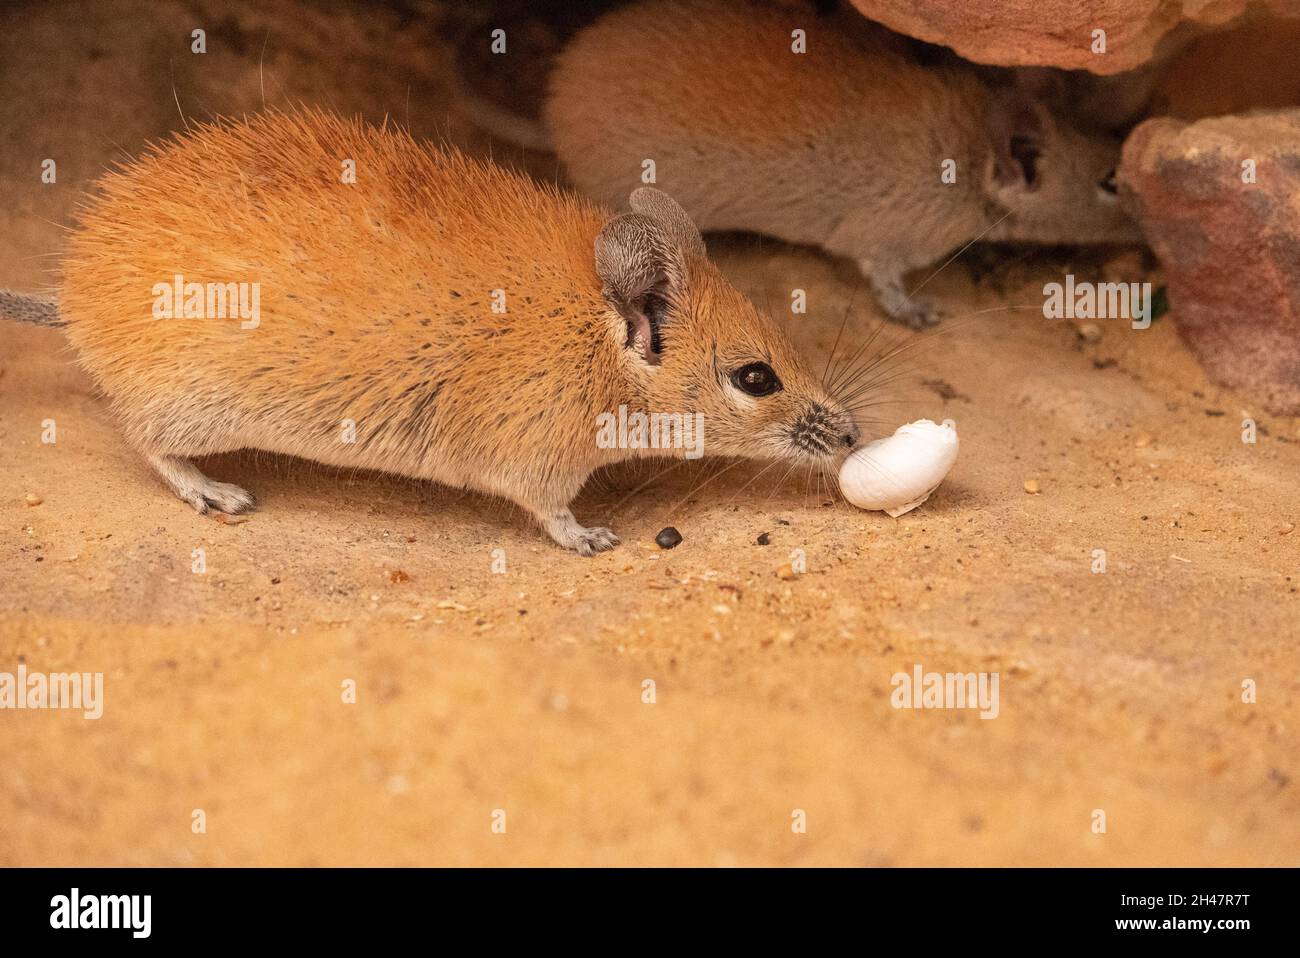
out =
column 596, row 539
column 568, row 532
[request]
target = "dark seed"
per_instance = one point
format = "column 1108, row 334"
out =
column 668, row 537
column 765, row 539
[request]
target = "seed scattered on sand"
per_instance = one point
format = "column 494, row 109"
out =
column 1287, row 529
column 1032, row 487
column 228, row 520
column 1142, row 441
column 454, row 606
column 764, row 539
column 786, row 572
column 397, row 575
column 33, row 499
column 668, row 537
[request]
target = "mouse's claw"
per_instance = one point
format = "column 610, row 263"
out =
column 918, row 314
column 887, row 281
column 596, row 539
column 568, row 532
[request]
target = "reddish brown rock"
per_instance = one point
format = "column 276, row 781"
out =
column 1230, row 249
column 1059, row 33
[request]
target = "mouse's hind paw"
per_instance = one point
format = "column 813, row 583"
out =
column 198, row 490
column 227, row 497
column 917, row 314
column 887, row 281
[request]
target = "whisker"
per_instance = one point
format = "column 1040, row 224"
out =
column 958, row 253
column 843, row 323
column 853, row 357
column 850, row 380
column 672, row 510
column 780, row 482
column 752, row 479
column 655, row 478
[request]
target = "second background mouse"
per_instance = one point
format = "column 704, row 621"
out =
column 852, row 145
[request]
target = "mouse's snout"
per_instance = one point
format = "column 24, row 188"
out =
column 822, row 431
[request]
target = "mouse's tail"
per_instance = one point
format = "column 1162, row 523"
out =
column 30, row 308
column 503, row 123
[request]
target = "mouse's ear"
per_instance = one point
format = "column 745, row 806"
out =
column 638, row 267
column 1018, row 128
column 664, row 210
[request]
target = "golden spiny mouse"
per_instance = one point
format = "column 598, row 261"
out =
column 434, row 317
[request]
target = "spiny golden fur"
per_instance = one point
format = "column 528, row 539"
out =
column 376, row 309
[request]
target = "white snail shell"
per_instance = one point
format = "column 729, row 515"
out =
column 898, row 473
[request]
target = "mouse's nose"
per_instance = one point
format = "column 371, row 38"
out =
column 853, row 435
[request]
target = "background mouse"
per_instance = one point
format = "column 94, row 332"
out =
column 843, row 146
column 437, row 317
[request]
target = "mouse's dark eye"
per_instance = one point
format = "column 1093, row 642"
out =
column 757, row 379
column 1107, row 183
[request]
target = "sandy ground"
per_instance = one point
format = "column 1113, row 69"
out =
column 522, row 691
